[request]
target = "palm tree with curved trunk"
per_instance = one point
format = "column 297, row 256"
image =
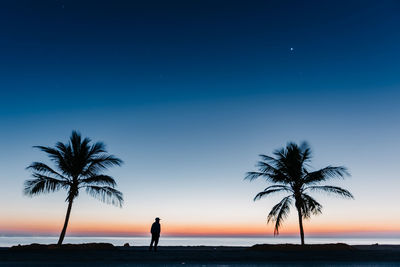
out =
column 79, row 164
column 289, row 171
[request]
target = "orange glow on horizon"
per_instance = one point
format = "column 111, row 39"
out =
column 115, row 229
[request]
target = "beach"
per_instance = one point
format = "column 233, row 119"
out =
column 360, row 255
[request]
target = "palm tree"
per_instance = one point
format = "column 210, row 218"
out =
column 79, row 165
column 289, row 172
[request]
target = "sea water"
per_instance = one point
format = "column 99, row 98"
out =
column 7, row 241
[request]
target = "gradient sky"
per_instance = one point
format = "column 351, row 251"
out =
column 188, row 93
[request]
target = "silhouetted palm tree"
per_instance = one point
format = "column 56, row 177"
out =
column 79, row 165
column 289, row 172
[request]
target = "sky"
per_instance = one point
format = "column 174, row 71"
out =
column 188, row 94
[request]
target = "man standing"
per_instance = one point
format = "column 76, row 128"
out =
column 155, row 234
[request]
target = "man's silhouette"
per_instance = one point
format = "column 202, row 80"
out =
column 155, row 234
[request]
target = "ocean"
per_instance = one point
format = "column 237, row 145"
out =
column 7, row 241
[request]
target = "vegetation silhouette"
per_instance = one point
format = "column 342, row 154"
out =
column 79, row 166
column 289, row 172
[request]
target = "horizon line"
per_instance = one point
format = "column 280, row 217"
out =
column 361, row 234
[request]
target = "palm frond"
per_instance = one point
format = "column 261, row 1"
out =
column 280, row 153
column 254, row 175
column 106, row 194
column 96, row 149
column 99, row 163
column 53, row 153
column 272, row 189
column 268, row 158
column 57, row 155
column 279, row 213
column 325, row 174
column 43, row 184
column 306, row 152
column 309, row 206
column 267, row 171
column 99, row 180
column 266, row 167
column 44, row 169
column 62, row 148
column 331, row 189
column 75, row 142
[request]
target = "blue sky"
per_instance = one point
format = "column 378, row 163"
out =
column 189, row 93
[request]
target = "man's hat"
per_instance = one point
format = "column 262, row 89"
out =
column 157, row 219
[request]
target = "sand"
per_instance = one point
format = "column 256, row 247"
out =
column 281, row 255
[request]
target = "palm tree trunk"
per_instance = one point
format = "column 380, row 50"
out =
column 301, row 225
column 62, row 235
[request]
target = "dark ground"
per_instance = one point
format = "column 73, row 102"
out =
column 371, row 255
